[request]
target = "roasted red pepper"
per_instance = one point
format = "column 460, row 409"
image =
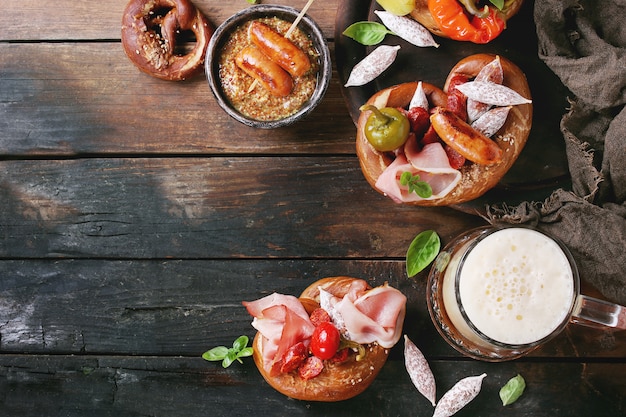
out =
column 451, row 18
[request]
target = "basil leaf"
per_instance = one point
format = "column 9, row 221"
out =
column 512, row 390
column 406, row 177
column 244, row 353
column 367, row 33
column 240, row 343
column 215, row 354
column 230, row 358
column 422, row 188
column 239, row 350
column 498, row 3
column 422, row 251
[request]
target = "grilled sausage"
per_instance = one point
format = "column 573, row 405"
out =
column 271, row 76
column 279, row 49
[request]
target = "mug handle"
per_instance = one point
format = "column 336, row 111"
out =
column 594, row 312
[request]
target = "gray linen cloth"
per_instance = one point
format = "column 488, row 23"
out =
column 584, row 43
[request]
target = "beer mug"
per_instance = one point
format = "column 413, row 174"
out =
column 497, row 293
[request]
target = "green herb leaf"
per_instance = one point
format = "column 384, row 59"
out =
column 498, row 3
column 240, row 343
column 512, row 390
column 421, row 188
column 244, row 353
column 253, row 1
column 230, row 358
column 422, row 251
column 215, row 354
column 367, row 33
column 229, row 355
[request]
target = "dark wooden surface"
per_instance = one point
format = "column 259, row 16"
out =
column 136, row 216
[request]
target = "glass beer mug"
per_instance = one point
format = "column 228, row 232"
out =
column 496, row 293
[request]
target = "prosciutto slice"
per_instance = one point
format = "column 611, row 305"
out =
column 430, row 163
column 283, row 322
column 369, row 316
column 375, row 316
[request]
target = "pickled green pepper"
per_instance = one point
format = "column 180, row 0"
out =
column 386, row 129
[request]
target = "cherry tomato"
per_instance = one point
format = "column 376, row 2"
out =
column 325, row 341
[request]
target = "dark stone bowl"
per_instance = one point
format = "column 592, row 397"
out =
column 289, row 14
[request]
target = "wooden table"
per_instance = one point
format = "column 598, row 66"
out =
column 136, row 216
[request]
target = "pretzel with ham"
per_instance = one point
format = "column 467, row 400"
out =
column 295, row 348
column 476, row 128
column 149, row 36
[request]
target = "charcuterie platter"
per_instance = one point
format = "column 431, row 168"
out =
column 542, row 165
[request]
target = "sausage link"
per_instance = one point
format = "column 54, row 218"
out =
column 279, row 49
column 267, row 72
column 464, row 139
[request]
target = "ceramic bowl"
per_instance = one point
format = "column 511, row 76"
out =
column 289, row 14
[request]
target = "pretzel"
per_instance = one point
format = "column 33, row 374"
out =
column 488, row 160
column 149, row 31
column 347, row 372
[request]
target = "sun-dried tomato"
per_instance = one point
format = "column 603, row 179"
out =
column 293, row 357
column 455, row 159
column 319, row 316
column 430, row 136
column 341, row 355
column 311, row 367
column 457, row 101
column 419, row 120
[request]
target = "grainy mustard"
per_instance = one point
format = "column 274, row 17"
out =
column 259, row 104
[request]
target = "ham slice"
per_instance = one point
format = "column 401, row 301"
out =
column 283, row 322
column 255, row 308
column 373, row 316
column 430, row 163
column 368, row 316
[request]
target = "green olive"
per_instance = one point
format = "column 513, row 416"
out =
column 386, row 129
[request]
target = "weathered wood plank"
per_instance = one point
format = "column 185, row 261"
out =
column 186, row 307
column 222, row 207
column 86, row 98
column 154, row 307
column 141, row 386
column 85, row 20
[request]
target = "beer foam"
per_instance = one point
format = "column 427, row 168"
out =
column 516, row 286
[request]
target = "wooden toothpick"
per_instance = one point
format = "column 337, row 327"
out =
column 299, row 18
